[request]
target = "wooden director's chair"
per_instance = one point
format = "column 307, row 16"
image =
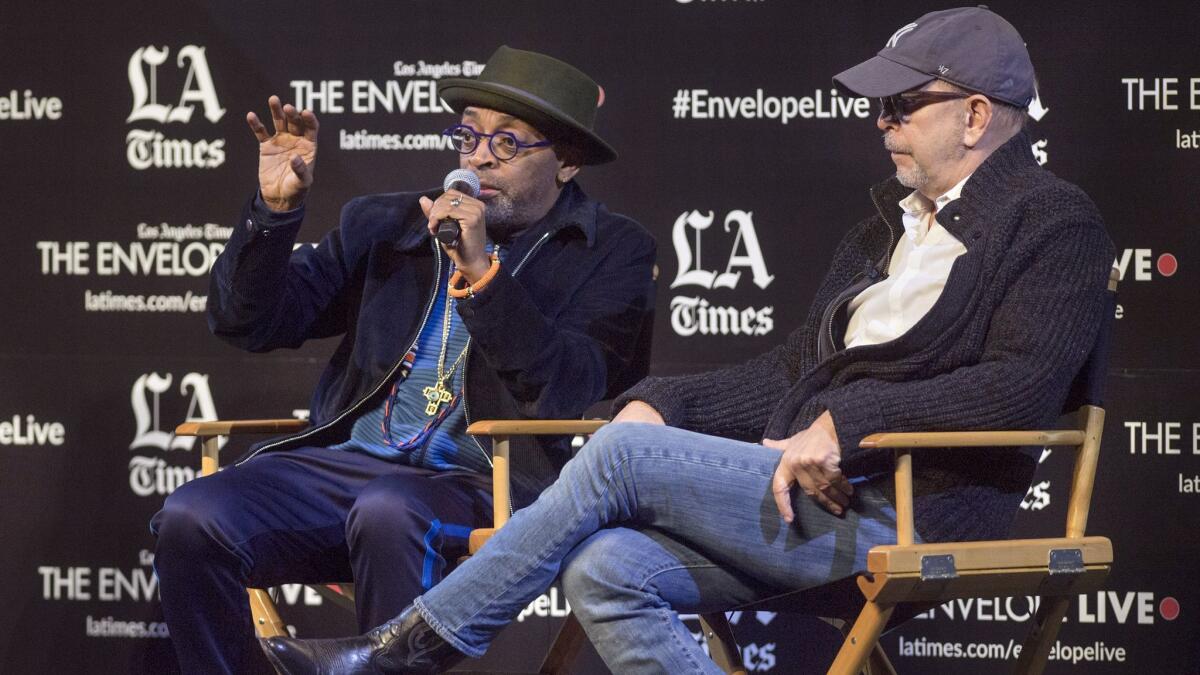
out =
column 267, row 622
column 917, row 576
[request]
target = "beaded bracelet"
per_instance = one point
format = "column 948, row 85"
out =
column 471, row 289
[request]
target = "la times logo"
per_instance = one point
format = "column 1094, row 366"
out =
column 151, row 475
column 151, row 148
column 756, row 658
column 695, row 314
column 1037, row 497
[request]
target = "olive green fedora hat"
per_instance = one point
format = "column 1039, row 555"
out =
column 555, row 98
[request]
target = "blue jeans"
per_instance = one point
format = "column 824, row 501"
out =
column 645, row 522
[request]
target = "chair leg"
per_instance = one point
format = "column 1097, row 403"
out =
column 1044, row 628
column 566, row 647
column 861, row 640
column 340, row 595
column 879, row 663
column 722, row 646
column 266, row 619
column 841, row 625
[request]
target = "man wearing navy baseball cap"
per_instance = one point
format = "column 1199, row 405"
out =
column 970, row 55
column 968, row 300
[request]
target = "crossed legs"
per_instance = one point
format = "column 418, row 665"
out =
column 645, row 522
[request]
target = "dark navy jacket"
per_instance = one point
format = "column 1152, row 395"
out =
column 554, row 332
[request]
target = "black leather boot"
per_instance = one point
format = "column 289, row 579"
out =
column 404, row 645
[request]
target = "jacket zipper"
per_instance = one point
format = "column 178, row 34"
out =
column 857, row 285
column 887, row 257
column 390, row 376
column 467, row 363
column 876, row 276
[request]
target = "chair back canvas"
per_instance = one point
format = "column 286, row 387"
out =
column 1088, row 386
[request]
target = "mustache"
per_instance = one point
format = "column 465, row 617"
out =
column 892, row 145
column 491, row 182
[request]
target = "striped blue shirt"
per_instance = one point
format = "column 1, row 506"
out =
column 448, row 446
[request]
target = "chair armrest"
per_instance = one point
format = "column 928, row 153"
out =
column 972, row 439
column 534, row 427
column 209, row 431
column 501, row 485
column 978, row 555
column 232, row 427
column 904, row 441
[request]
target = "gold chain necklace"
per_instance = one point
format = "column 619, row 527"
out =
column 438, row 394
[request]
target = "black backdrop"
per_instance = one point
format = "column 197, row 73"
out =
column 123, row 156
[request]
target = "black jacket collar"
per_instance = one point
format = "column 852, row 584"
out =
column 983, row 192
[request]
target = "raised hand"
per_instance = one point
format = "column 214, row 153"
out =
column 285, row 158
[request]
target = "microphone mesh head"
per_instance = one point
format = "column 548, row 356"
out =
column 462, row 180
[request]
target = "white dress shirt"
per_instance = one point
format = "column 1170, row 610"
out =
column 916, row 274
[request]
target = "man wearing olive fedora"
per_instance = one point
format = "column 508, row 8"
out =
column 536, row 311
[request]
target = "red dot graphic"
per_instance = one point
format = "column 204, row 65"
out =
column 1169, row 608
column 1167, row 264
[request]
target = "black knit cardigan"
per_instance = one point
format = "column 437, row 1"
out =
column 998, row 350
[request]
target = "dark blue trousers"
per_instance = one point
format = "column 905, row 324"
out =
column 304, row 516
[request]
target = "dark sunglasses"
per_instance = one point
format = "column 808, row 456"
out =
column 900, row 106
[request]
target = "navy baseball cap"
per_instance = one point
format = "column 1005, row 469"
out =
column 972, row 47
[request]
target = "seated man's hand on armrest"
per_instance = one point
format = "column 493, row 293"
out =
column 811, row 458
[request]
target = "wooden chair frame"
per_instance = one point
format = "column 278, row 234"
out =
column 896, row 573
column 905, row 571
column 1054, row 568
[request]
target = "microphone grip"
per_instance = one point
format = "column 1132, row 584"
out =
column 448, row 230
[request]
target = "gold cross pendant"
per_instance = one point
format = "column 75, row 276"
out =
column 436, row 395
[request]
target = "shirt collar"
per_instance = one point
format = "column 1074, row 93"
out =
column 916, row 204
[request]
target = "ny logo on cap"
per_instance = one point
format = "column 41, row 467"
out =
column 899, row 34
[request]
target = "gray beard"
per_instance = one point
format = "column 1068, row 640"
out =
column 914, row 178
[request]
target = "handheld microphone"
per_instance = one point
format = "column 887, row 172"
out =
column 467, row 183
